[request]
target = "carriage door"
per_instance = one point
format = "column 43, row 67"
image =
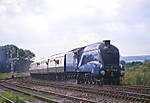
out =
column 71, row 62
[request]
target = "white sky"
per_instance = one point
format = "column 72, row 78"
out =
column 47, row 27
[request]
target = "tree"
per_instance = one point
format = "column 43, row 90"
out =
column 25, row 59
column 21, row 58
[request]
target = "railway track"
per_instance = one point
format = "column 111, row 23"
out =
column 138, row 89
column 22, row 89
column 42, row 98
column 123, row 95
column 89, row 97
column 6, row 99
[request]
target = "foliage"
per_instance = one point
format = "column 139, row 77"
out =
column 137, row 73
column 51, row 96
column 2, row 100
column 21, row 58
column 16, row 97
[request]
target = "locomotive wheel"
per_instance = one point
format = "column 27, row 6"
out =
column 90, row 80
column 79, row 79
column 93, row 80
column 82, row 78
column 102, row 81
column 86, row 78
column 99, row 83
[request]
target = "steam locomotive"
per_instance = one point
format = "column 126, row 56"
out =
column 94, row 63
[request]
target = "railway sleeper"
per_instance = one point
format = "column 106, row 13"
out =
column 124, row 96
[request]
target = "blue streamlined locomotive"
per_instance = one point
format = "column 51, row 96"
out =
column 95, row 63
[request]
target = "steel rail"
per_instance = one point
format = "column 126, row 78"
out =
column 6, row 99
column 144, row 89
column 58, row 94
column 33, row 94
column 111, row 93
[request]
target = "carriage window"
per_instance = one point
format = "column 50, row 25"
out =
column 57, row 61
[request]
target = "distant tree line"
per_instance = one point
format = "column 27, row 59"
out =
column 21, row 59
column 137, row 73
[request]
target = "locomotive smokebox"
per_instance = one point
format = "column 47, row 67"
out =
column 107, row 43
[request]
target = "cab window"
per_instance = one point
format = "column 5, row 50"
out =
column 86, row 59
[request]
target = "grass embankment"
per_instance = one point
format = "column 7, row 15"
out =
column 137, row 73
column 8, row 75
column 51, row 97
column 2, row 100
column 16, row 97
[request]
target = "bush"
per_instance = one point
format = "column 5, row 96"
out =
column 137, row 73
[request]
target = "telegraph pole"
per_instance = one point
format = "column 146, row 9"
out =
column 12, row 60
column 11, row 64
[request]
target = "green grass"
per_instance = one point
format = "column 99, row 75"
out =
column 8, row 75
column 51, row 97
column 2, row 100
column 137, row 78
column 21, row 74
column 17, row 97
column 5, row 75
column 138, row 74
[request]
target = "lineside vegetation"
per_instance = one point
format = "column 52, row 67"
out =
column 16, row 97
column 137, row 73
column 8, row 75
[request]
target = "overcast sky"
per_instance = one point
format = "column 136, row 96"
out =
column 47, row 27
